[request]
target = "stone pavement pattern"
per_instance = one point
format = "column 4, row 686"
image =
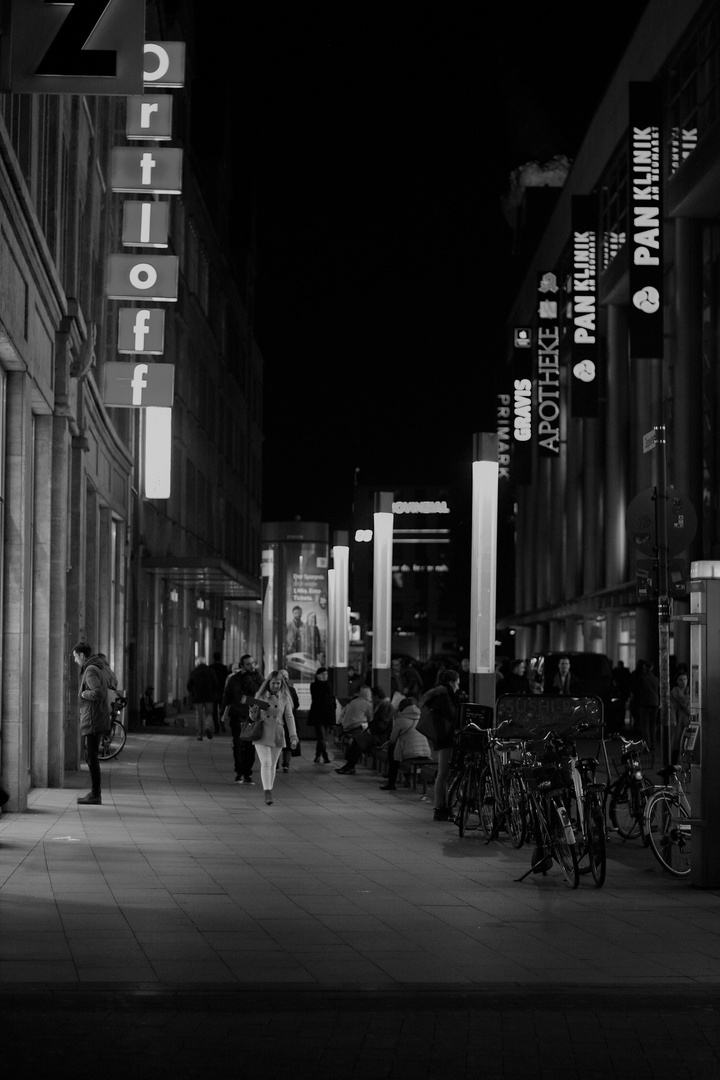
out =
column 184, row 925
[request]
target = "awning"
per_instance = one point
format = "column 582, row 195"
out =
column 211, row 576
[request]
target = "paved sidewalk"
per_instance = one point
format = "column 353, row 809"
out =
column 339, row 932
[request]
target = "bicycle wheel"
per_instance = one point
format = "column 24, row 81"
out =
column 595, row 840
column 112, row 741
column 516, row 803
column 454, row 793
column 669, row 833
column 564, row 852
column 469, row 801
column 488, row 806
column 627, row 806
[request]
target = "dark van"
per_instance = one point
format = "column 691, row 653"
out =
column 594, row 671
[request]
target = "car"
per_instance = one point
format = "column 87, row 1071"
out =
column 594, row 670
column 301, row 664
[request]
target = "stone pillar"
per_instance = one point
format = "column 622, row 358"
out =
column 42, row 570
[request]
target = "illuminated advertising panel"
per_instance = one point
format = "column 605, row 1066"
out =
column 645, row 209
column 521, row 406
column 547, row 370
column 295, row 606
column 584, row 351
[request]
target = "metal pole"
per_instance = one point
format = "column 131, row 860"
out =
column 663, row 595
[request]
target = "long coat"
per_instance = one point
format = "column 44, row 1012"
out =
column 408, row 741
column 280, row 710
column 93, row 704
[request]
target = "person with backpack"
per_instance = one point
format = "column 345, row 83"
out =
column 93, row 713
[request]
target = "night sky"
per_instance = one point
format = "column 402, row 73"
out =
column 381, row 144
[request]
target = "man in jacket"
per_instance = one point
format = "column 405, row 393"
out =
column 202, row 687
column 93, row 713
column 243, row 683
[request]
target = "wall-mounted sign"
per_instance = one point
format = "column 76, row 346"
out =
column 503, row 434
column 547, row 371
column 645, row 199
column 142, row 277
column 521, row 407
column 584, row 351
column 164, row 63
column 149, row 117
column 141, row 330
column 86, row 47
column 133, row 386
column 145, row 224
column 138, row 168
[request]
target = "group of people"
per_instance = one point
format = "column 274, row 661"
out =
column 374, row 720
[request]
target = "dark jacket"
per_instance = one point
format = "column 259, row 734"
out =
column 202, row 685
column 442, row 701
column 240, row 684
column 221, row 672
column 93, row 705
column 322, row 704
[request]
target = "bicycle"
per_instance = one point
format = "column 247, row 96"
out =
column 627, row 796
column 586, row 804
column 502, row 786
column 113, row 740
column 551, row 826
column 667, row 823
column 463, row 789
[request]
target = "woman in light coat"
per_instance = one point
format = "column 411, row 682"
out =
column 277, row 717
column 406, row 741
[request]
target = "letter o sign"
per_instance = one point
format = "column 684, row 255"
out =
column 143, row 276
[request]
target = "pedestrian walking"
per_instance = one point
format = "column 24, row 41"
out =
column 93, row 713
column 235, row 711
column 286, row 756
column 202, row 687
column 221, row 672
column 322, row 713
column 277, row 719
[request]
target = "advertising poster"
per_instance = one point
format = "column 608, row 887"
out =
column 306, row 625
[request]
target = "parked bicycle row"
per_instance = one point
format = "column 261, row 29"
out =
column 529, row 785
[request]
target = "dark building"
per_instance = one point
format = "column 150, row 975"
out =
column 85, row 551
column 632, row 351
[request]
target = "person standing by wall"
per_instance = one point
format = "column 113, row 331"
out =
column 278, row 718
column 202, row 688
column 245, row 682
column 93, row 712
column 322, row 713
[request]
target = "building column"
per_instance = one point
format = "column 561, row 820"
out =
column 17, row 592
column 42, row 571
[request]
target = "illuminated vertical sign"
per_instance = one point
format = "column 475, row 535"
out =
column 547, row 371
column 503, row 412
column 645, row 199
column 521, row 405
column 584, row 351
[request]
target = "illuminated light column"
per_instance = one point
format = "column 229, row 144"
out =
column 484, row 567
column 382, row 589
column 338, row 609
column 157, row 452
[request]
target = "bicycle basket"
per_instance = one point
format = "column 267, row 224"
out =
column 646, row 759
column 472, row 740
column 544, row 777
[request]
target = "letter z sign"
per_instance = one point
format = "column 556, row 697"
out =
column 86, row 47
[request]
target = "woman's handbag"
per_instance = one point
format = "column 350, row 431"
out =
column 434, row 725
column 253, row 730
column 365, row 739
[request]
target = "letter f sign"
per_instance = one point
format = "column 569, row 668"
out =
column 138, row 383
